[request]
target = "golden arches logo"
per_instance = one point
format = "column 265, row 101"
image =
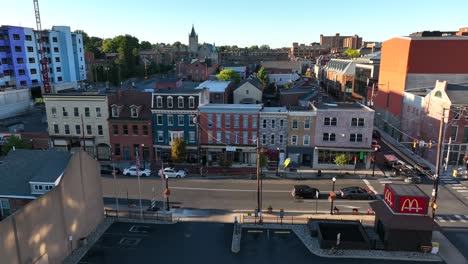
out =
column 410, row 204
column 388, row 197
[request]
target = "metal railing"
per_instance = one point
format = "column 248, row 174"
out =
column 267, row 219
column 154, row 216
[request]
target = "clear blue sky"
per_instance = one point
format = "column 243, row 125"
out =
column 241, row 22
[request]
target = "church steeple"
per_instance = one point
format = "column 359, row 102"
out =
column 192, row 33
column 193, row 41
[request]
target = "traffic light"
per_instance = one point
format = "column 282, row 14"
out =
column 414, row 144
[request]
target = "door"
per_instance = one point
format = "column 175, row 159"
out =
column 126, row 151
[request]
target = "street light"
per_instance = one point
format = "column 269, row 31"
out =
column 107, row 72
column 278, row 162
column 332, row 198
column 373, row 166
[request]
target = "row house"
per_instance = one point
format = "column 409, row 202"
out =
column 220, row 92
column 228, row 132
column 420, row 121
column 343, row 128
column 338, row 78
column 174, row 113
column 273, row 132
column 77, row 120
column 301, row 127
column 249, row 91
column 130, row 126
column 196, row 70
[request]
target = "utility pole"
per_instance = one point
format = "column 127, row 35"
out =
column 258, row 176
column 435, row 188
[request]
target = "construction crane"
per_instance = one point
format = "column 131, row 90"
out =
column 43, row 59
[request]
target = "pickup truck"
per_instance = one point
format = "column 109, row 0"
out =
column 390, row 160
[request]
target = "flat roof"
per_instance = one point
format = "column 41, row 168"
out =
column 214, row 86
column 331, row 106
column 407, row 190
column 274, row 109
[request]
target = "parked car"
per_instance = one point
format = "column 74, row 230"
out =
column 131, row 171
column 390, row 159
column 412, row 179
column 305, row 192
column 376, row 134
column 173, row 173
column 357, row 193
column 108, row 169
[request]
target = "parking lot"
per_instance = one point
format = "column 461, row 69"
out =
column 201, row 243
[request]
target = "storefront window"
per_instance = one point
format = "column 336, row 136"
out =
column 328, row 156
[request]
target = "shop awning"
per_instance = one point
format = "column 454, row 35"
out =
column 300, row 150
column 346, row 149
column 402, row 222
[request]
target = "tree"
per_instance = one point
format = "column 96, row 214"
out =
column 352, row 53
column 179, row 150
column 229, row 75
column 144, row 45
column 264, row 47
column 253, row 47
column 341, row 160
column 263, row 77
column 15, row 141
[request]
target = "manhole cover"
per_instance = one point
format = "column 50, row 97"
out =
column 126, row 241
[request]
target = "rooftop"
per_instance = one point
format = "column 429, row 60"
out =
column 252, row 80
column 274, row 109
column 23, row 166
column 34, row 121
column 186, row 88
column 230, row 107
column 458, row 93
column 214, row 86
column 407, row 190
column 282, row 64
column 333, row 106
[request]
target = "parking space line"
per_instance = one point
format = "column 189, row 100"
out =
column 460, row 218
column 462, row 191
column 125, row 234
column 458, row 187
column 254, row 231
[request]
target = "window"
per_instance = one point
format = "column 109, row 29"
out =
column 125, row 129
column 281, row 123
column 245, row 138
column 254, row 137
column 115, row 129
column 28, row 37
column 117, row 149
column 33, row 71
column 228, row 137
column 246, row 91
column 57, row 59
column 16, row 36
column 56, row 129
column 56, row 49
column 58, row 69
column 18, row 49
column 191, row 102
column 135, row 130
column 21, row 72
column 160, row 136
column 245, row 121
column 159, row 120
column 192, row 137
column 236, row 137
column 357, row 122
column 263, row 139
column 23, row 83
column 133, row 112
column 306, row 140
column 272, row 139
column 86, row 111
column 465, row 135
column 159, row 102
column 227, row 122
column 236, row 121
column 192, row 120
column 76, row 113
column 306, row 124
column 180, row 120
column 329, row 121
column 115, row 111
column 438, row 94
column 456, row 114
column 67, row 129
column 209, row 134
column 89, row 130
column 355, row 137
column 59, row 79
column 64, row 112
column 210, row 120
column 30, row 49
column 100, row 131
column 170, row 102
column 293, row 140
column 453, row 132
column 329, row 137
column 170, row 120
column 218, row 121
column 54, row 39
column 254, row 121
column 294, row 124
column 78, row 129
column 31, row 60
column 219, row 136
column 180, row 102
column 264, row 123
column 145, row 130
column 273, row 123
column 281, row 138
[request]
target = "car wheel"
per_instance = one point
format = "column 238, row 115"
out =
column 128, row 174
column 177, row 176
column 143, row 175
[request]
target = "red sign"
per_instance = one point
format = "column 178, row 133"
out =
column 412, row 205
column 400, row 199
column 389, row 197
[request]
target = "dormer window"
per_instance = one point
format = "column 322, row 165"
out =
column 191, row 102
column 170, row 102
column 159, row 103
column 134, row 111
column 115, row 111
column 180, row 102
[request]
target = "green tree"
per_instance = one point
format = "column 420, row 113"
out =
column 15, row 141
column 229, row 75
column 126, row 64
column 341, row 160
column 263, row 77
column 179, row 150
column 253, row 47
column 144, row 45
column 352, row 53
column 92, row 44
column 264, row 47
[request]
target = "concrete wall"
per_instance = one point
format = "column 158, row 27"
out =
column 40, row 231
column 14, row 102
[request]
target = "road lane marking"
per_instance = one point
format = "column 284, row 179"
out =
column 440, row 219
column 369, row 186
column 383, row 182
column 462, row 191
column 254, row 231
column 460, row 218
column 458, row 187
column 282, row 232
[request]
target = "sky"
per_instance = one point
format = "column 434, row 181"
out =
column 241, row 22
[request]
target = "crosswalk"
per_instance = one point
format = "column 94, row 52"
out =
column 447, row 179
column 455, row 218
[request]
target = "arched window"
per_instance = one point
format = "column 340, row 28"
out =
column 438, row 94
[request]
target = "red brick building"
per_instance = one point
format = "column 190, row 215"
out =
column 130, row 126
column 196, row 70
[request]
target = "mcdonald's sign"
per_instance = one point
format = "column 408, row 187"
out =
column 405, row 199
column 413, row 205
column 389, row 196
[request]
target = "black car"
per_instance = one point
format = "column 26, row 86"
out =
column 108, row 169
column 357, row 193
column 305, row 192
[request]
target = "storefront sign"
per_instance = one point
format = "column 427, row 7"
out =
column 389, row 197
column 405, row 203
column 230, row 148
column 412, row 205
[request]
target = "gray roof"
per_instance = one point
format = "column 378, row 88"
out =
column 458, row 93
column 33, row 121
column 332, row 106
column 23, row 166
column 189, row 88
column 252, row 80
